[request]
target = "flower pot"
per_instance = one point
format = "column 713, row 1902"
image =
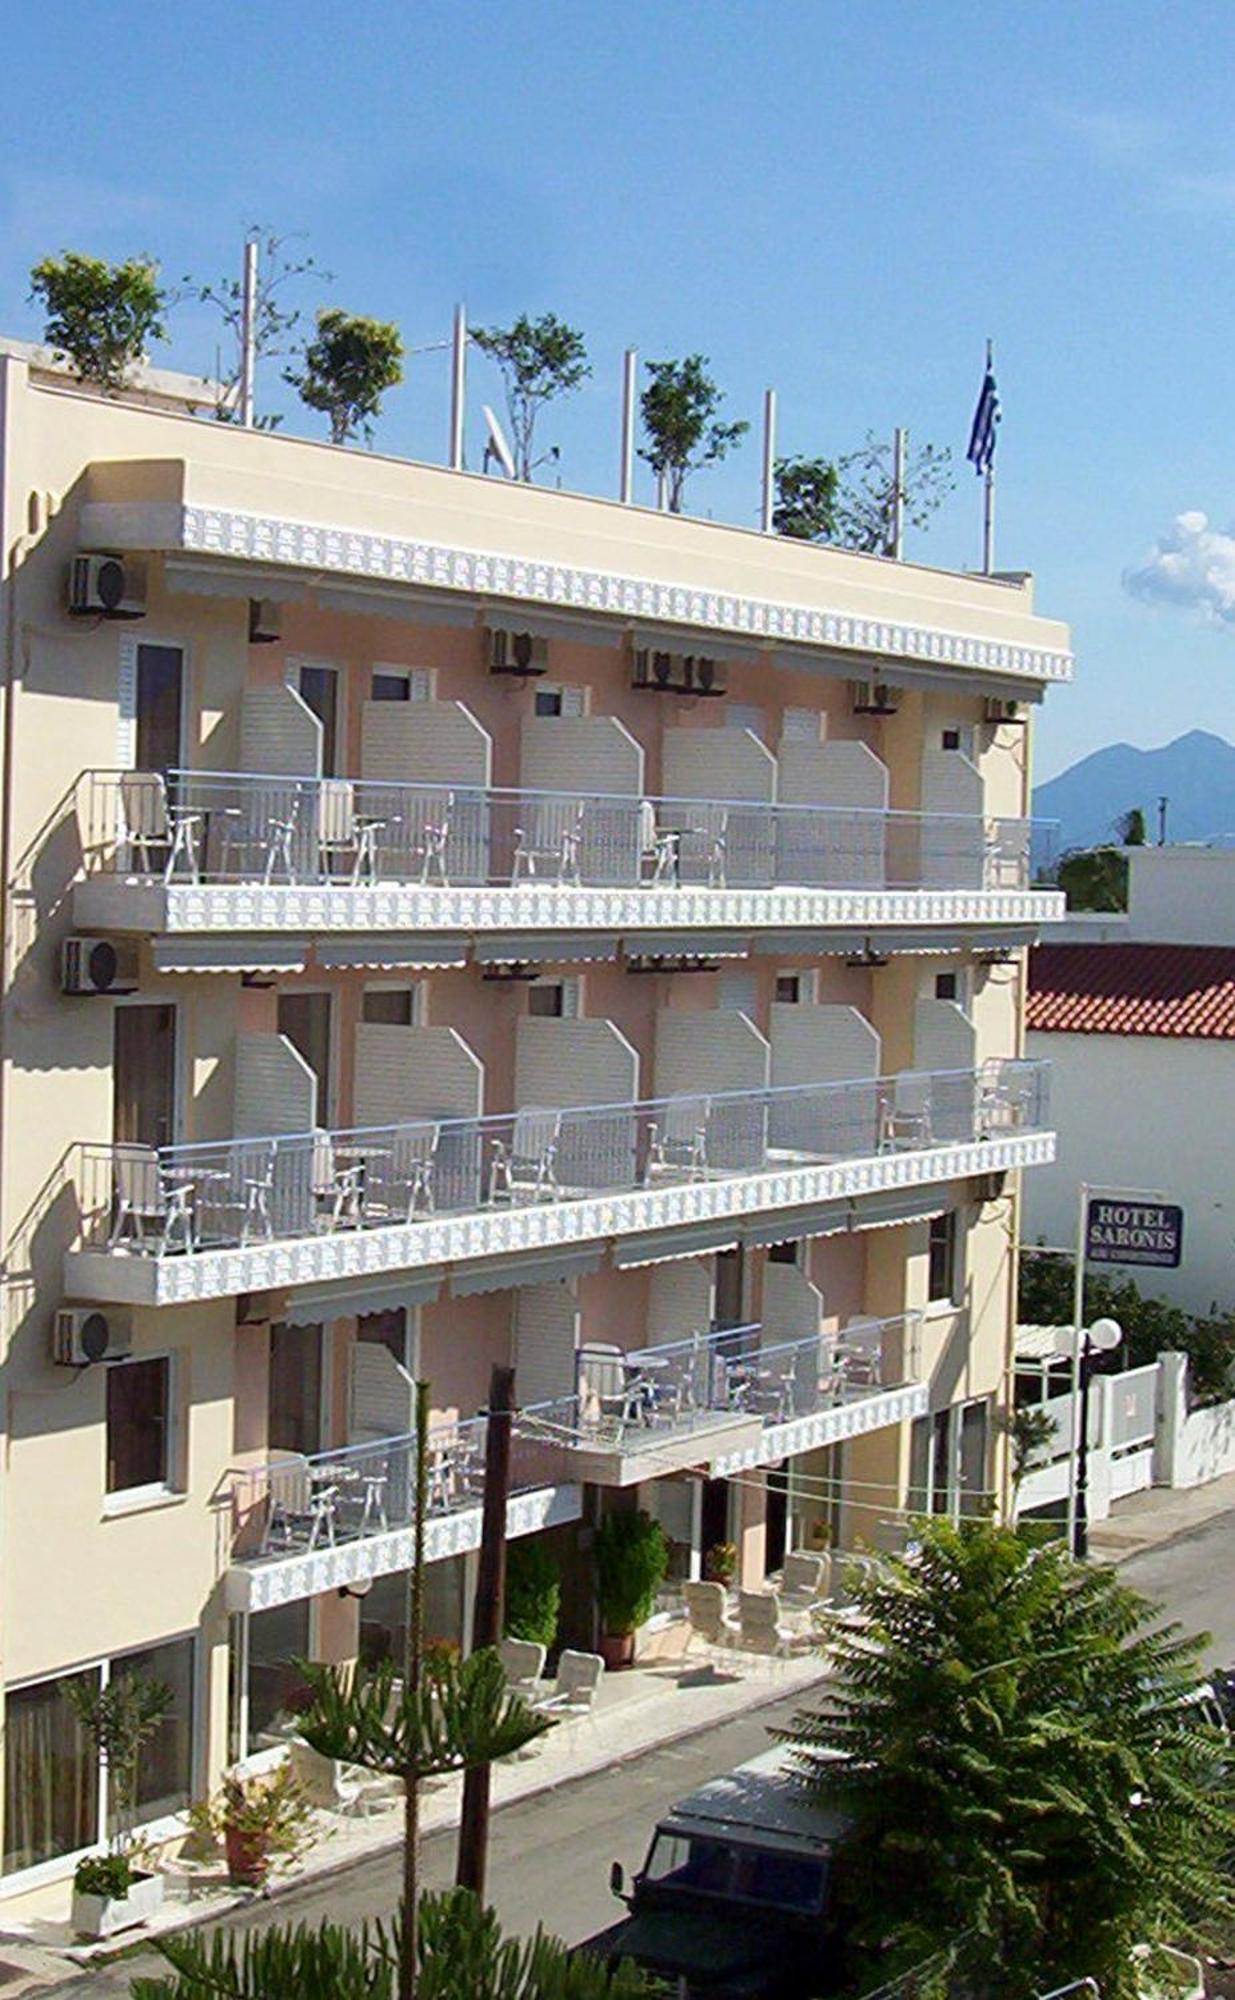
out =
column 248, row 1856
column 102, row 1916
column 617, row 1649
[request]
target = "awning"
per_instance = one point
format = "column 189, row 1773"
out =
column 667, row 1245
column 543, row 948
column 829, row 1218
column 544, row 624
column 314, row 1305
column 206, row 579
column 396, row 601
column 885, row 1210
column 809, row 943
column 375, row 953
column 685, row 944
column 505, row 1274
column 229, row 954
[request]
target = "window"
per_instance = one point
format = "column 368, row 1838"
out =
column 306, row 1019
column 555, row 999
column 973, row 1457
column 785, row 1253
column 951, row 739
column 788, row 988
column 941, row 1257
column 276, row 1639
column 387, row 686
column 294, row 1406
column 947, row 986
column 551, row 699
column 319, row 690
column 160, row 707
column 390, row 1006
column 386, row 1329
column 138, row 1424
column 165, row 1766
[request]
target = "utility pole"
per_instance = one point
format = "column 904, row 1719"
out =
column 248, row 333
column 458, row 387
column 487, row 1618
column 630, row 384
column 1163, row 803
column 769, row 461
column 899, row 443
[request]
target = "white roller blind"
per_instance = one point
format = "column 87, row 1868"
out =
column 383, row 1394
column 279, row 733
column 546, row 1336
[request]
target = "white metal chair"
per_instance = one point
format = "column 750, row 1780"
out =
column 763, row 1630
column 905, row 1117
column 156, row 832
column 257, row 1188
column 549, row 841
column 574, row 1692
column 523, row 1663
column 860, row 1354
column 337, row 1188
column 525, row 1165
column 344, row 832
column 330, row 1785
column 660, row 848
column 678, row 1138
column 147, row 1202
column 278, row 832
column 430, row 838
column 707, row 1614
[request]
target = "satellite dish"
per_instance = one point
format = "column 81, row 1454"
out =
column 496, row 445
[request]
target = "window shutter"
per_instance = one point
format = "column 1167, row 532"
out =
column 126, row 695
column 745, row 715
column 574, row 701
column 572, row 999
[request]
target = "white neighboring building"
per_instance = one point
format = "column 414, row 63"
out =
column 1137, row 1016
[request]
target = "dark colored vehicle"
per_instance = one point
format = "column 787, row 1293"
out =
column 735, row 1898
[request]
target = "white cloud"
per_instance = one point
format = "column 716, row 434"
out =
column 1193, row 566
column 1114, row 137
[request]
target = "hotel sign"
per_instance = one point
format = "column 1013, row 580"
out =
column 1122, row 1230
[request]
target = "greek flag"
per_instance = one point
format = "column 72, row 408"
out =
column 981, row 452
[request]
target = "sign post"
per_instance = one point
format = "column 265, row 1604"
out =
column 1114, row 1226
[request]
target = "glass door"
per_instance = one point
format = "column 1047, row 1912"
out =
column 160, row 708
column 144, row 1075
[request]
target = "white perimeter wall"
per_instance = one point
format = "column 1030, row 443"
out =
column 1148, row 1112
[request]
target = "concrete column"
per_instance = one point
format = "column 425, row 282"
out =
column 752, row 1530
column 337, row 1628
column 211, row 1751
column 1171, row 1415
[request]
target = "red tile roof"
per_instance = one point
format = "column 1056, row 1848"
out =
column 1133, row 989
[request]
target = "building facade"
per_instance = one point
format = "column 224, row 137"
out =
column 450, row 923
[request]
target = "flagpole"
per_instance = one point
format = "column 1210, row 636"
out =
column 988, row 508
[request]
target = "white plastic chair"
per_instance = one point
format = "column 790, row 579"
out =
column 525, row 1165
column 905, row 1121
column 147, row 1202
column 574, row 1692
column 860, row 1353
column 707, row 1614
column 430, row 838
column 660, row 849
column 342, row 831
column 549, row 841
column 678, row 1138
column 330, row 1785
column 523, row 1663
column 804, row 1580
column 612, row 1392
column 338, row 1190
column 763, row 1631
column 153, row 827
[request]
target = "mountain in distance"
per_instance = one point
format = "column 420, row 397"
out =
column 1196, row 773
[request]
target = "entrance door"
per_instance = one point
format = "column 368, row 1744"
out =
column 319, row 690
column 305, row 1019
column 729, row 1268
column 144, row 1075
column 160, row 708
column 714, row 1514
column 777, row 1518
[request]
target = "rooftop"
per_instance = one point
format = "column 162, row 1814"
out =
column 1186, row 991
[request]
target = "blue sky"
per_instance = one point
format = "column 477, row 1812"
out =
column 842, row 200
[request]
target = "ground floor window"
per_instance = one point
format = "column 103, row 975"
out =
column 383, row 1611
column 276, row 1639
column 948, row 1461
column 53, row 1778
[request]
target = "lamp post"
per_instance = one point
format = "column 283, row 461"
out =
column 1100, row 1338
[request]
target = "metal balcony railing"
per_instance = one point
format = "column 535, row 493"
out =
column 229, row 827
column 630, row 1400
column 294, row 1504
column 176, row 1200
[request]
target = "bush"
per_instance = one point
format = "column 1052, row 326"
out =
column 632, row 1560
column 103, row 1875
column 100, row 315
column 1150, row 1326
column 533, row 1592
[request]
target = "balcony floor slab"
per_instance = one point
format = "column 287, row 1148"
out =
column 125, row 1278
column 871, row 1412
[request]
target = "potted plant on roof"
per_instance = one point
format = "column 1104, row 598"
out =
column 114, row 1891
column 632, row 1559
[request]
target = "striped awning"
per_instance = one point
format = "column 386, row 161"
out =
column 667, row 1245
column 895, row 1205
column 315, row 1305
column 829, row 1218
column 229, row 954
column 505, row 1274
column 400, row 953
column 543, row 948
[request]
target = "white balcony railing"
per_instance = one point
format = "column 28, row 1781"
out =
column 171, row 1202
column 232, row 828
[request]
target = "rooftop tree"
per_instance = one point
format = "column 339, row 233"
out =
column 348, row 367
column 539, row 360
column 805, row 507
column 683, row 431
column 100, row 316
column 866, row 494
column 275, row 320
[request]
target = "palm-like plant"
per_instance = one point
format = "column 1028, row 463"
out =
column 1021, row 1746
column 461, row 1955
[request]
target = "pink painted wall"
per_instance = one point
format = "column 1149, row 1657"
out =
column 460, row 1341
column 613, row 1307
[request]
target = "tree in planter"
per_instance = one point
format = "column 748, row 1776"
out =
column 120, row 1719
column 683, row 431
column 347, row 370
column 866, row 494
column 631, row 1556
column 462, row 1956
column 274, row 321
column 533, row 1592
column 1018, row 1743
column 539, row 359
column 100, row 316
column 805, row 508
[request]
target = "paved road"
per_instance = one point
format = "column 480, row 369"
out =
column 549, row 1856
column 1192, row 1578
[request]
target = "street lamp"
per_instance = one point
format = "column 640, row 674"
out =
column 1100, row 1338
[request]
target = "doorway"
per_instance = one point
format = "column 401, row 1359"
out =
column 160, row 708
column 714, row 1514
column 306, row 1021
column 144, row 1075
column 776, row 1533
column 730, row 1271
column 319, row 690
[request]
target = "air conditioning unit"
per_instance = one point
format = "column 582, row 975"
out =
column 521, row 653
column 265, row 621
column 1000, row 710
column 106, row 587
column 873, row 698
column 990, row 1187
column 90, row 965
column 82, row 1335
column 703, row 675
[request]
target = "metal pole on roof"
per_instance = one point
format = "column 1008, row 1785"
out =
column 248, row 333
column 630, row 382
column 769, row 460
column 458, row 387
column 899, row 444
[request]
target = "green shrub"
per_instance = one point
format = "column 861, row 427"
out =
column 103, row 1875
column 632, row 1559
column 533, row 1592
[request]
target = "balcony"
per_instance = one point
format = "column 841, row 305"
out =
column 729, row 1400
column 297, row 1525
column 209, row 853
column 166, row 1226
